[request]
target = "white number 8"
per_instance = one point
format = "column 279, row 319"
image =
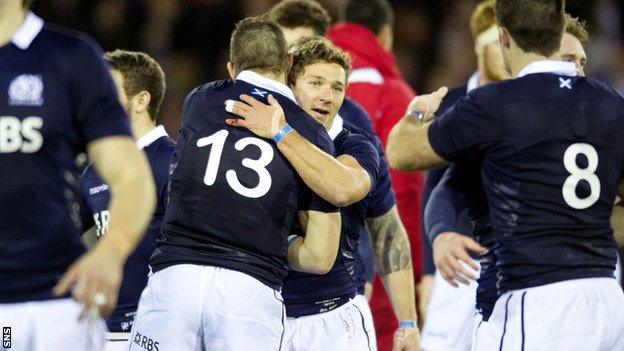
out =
column 217, row 140
column 577, row 174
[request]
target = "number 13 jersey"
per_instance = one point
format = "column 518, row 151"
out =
column 553, row 150
column 233, row 196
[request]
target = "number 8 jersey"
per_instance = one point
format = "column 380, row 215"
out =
column 553, row 151
column 233, row 196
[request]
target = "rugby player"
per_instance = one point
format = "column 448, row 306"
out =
column 58, row 100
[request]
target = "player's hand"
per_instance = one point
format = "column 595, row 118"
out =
column 406, row 339
column 263, row 120
column 428, row 103
column 451, row 255
column 94, row 280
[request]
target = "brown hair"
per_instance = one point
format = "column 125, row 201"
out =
column 373, row 14
column 140, row 73
column 576, row 28
column 26, row 4
column 482, row 18
column 258, row 44
column 301, row 13
column 310, row 50
column 535, row 25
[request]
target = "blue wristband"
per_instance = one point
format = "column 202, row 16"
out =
column 282, row 133
column 291, row 238
column 408, row 324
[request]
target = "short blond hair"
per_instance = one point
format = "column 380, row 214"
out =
column 310, row 50
column 483, row 17
column 577, row 28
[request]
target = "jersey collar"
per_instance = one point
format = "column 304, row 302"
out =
column 550, row 66
column 254, row 78
column 151, row 136
column 473, row 82
column 336, row 127
column 28, row 31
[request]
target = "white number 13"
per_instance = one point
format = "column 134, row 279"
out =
column 217, row 140
column 577, row 174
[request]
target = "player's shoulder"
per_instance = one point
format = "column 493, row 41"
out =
column 217, row 86
column 59, row 39
column 602, row 88
column 164, row 145
column 355, row 115
column 349, row 141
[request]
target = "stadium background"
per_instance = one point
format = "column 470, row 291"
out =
column 190, row 38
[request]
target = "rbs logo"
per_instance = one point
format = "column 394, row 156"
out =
column 24, row 136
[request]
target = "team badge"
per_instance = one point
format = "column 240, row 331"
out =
column 26, row 90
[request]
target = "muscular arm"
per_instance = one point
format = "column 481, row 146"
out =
column 125, row 169
column 393, row 256
column 341, row 181
column 315, row 251
column 408, row 147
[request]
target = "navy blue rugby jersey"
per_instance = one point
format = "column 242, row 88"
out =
column 306, row 294
column 56, row 96
column 358, row 122
column 158, row 148
column 553, row 157
column 234, row 196
column 460, row 193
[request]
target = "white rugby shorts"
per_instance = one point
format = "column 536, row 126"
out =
column 192, row 307
column 449, row 323
column 578, row 314
column 50, row 325
column 348, row 327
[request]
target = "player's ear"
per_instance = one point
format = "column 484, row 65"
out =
column 143, row 99
column 504, row 37
column 231, row 70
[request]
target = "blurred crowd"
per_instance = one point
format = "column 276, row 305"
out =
column 190, row 38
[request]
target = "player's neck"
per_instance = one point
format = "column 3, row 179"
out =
column 273, row 76
column 141, row 126
column 10, row 20
column 522, row 60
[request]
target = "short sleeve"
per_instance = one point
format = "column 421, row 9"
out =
column 382, row 198
column 469, row 126
column 364, row 153
column 98, row 111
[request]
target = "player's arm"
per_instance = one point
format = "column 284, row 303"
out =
column 408, row 147
column 451, row 245
column 394, row 263
column 316, row 250
column 125, row 169
column 341, row 180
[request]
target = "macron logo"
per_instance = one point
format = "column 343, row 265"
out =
column 98, row 189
